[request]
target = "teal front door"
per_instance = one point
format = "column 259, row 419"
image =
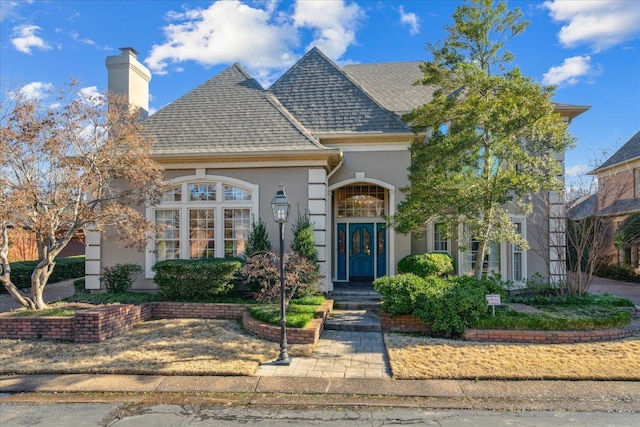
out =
column 361, row 252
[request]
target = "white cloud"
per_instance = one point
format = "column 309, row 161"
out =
column 262, row 38
column 7, row 9
column 334, row 22
column 35, row 90
column 24, row 39
column 598, row 23
column 75, row 36
column 225, row 32
column 410, row 19
column 570, row 72
column 577, row 170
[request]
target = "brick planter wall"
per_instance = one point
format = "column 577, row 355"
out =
column 99, row 324
column 548, row 337
column 403, row 323
column 185, row 310
column 307, row 335
column 49, row 328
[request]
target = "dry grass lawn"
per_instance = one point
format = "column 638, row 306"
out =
column 169, row 347
column 414, row 357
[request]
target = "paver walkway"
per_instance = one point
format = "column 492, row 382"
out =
column 338, row 354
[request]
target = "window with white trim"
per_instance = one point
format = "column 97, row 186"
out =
column 517, row 260
column 213, row 220
column 440, row 241
column 492, row 258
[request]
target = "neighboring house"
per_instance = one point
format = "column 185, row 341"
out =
column 333, row 136
column 617, row 197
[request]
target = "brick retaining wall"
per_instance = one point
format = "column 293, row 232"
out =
column 411, row 324
column 99, row 324
column 48, row 328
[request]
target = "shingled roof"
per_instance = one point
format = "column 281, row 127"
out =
column 229, row 113
column 393, row 84
column 326, row 100
column 629, row 151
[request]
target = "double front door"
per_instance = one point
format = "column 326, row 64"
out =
column 362, row 254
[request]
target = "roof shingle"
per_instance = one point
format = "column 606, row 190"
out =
column 629, row 151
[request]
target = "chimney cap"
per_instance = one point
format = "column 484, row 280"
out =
column 129, row 50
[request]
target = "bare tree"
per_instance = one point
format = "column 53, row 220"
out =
column 81, row 164
column 577, row 236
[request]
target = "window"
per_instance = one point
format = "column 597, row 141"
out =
column 518, row 274
column 213, row 220
column 440, row 241
column 492, row 258
column 360, row 201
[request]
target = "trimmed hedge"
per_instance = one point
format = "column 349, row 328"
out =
column 448, row 305
column 65, row 269
column 425, row 265
column 195, row 279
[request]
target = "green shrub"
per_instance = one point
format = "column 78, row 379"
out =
column 258, row 240
column 135, row 298
column 78, row 286
column 65, row 269
column 195, row 279
column 617, row 272
column 448, row 305
column 425, row 265
column 399, row 292
column 298, row 316
column 452, row 306
column 120, row 277
column 304, row 242
column 605, row 318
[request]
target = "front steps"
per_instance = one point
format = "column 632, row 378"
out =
column 355, row 308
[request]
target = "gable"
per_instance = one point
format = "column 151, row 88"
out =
column 229, row 113
column 629, row 151
column 325, row 100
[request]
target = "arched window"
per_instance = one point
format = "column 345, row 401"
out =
column 204, row 218
column 360, row 200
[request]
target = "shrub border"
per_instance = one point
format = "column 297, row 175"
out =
column 102, row 323
column 411, row 324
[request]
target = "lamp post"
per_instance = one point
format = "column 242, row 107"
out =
column 280, row 206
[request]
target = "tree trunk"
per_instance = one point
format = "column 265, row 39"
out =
column 5, row 276
column 482, row 250
column 39, row 279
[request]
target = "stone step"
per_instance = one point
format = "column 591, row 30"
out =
column 353, row 320
column 345, row 304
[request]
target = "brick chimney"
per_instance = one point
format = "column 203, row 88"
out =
column 127, row 76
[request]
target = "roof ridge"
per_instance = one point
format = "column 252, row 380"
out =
column 291, row 118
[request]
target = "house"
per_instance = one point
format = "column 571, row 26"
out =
column 617, row 197
column 333, row 136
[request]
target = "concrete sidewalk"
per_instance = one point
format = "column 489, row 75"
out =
column 569, row 395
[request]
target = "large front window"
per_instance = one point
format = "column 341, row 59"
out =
column 213, row 220
column 492, row 259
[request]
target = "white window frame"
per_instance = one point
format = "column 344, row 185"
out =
column 462, row 255
column 219, row 206
column 431, row 238
column 522, row 220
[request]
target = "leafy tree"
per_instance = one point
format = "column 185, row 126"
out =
column 258, row 239
column 83, row 165
column 628, row 233
column 491, row 133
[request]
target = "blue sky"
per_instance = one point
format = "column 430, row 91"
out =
column 589, row 49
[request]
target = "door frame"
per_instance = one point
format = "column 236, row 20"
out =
column 376, row 224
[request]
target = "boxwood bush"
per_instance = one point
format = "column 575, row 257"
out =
column 195, row 279
column 425, row 265
column 65, row 269
column 448, row 305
